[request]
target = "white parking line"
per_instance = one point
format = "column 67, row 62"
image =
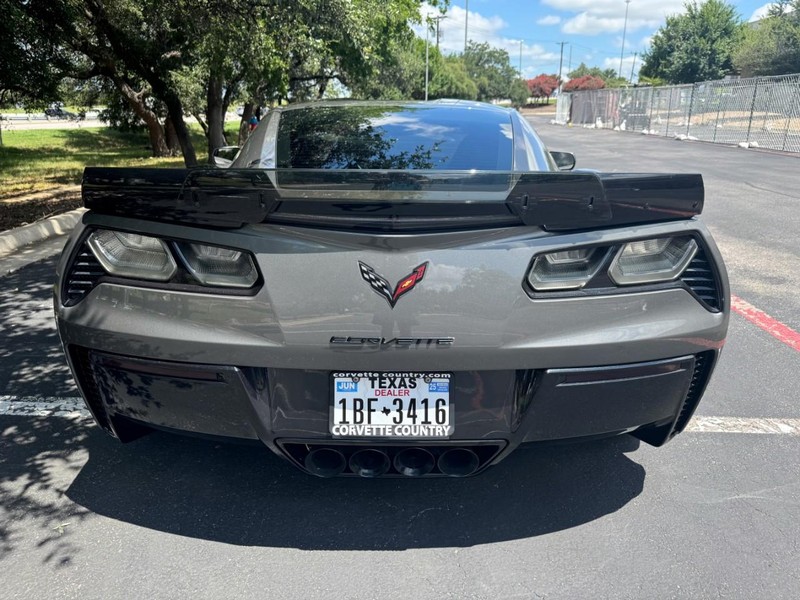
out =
column 54, row 406
column 704, row 424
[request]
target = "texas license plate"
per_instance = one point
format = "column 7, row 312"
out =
column 397, row 405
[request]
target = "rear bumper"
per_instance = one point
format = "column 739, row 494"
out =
column 288, row 409
column 526, row 368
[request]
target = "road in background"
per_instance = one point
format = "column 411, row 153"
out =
column 708, row 515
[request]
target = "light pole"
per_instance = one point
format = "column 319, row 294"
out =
column 624, row 31
column 466, row 25
column 427, row 28
column 560, row 63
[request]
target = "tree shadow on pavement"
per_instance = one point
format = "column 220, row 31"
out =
column 39, row 459
column 32, row 362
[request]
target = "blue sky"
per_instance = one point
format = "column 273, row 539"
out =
column 592, row 28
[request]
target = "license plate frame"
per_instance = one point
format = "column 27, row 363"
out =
column 419, row 405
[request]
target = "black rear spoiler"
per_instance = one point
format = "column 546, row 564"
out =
column 231, row 198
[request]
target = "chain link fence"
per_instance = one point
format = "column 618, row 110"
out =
column 760, row 112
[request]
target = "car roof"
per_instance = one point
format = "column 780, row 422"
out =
column 470, row 105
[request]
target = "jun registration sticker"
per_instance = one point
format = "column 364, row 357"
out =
column 395, row 405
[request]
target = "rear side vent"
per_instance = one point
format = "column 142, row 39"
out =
column 83, row 275
column 699, row 276
column 658, row 434
column 84, row 374
column 702, row 368
column 524, row 390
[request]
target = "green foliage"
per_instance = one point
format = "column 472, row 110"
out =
column 451, row 80
column 32, row 64
column 651, row 81
column 772, row 45
column 36, row 159
column 401, row 75
column 695, row 46
column 490, row 69
column 616, row 82
column 582, row 71
column 170, row 59
column 520, row 93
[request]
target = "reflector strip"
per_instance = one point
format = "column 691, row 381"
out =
column 775, row 328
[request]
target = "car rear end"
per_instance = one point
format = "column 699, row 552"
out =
column 392, row 321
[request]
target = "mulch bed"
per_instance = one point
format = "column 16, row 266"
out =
column 17, row 212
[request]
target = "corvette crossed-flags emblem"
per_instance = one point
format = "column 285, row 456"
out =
column 381, row 287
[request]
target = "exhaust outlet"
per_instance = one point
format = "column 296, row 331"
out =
column 414, row 462
column 325, row 462
column 369, row 463
column 458, row 462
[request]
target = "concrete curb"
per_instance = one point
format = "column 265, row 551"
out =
column 14, row 239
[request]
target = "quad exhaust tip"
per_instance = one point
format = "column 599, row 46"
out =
column 414, row 462
column 370, row 463
column 325, row 462
column 458, row 462
column 333, row 460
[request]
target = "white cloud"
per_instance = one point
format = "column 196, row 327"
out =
column 451, row 28
column 589, row 24
column 627, row 63
column 762, row 11
column 594, row 17
column 490, row 30
column 549, row 20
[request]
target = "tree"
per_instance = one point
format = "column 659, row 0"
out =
column 193, row 57
column 582, row 70
column 29, row 72
column 490, row 69
column 771, row 46
column 519, row 94
column 587, row 82
column 543, row 86
column 609, row 76
column 695, row 46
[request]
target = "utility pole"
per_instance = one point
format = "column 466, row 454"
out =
column 633, row 66
column 569, row 62
column 437, row 19
column 427, row 29
column 560, row 63
column 466, row 25
column 624, row 31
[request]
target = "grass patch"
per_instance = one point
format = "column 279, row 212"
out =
column 39, row 159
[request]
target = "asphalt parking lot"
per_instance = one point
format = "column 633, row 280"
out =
column 712, row 514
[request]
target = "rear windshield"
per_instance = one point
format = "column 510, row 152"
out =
column 394, row 137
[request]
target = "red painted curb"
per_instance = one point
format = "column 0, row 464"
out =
column 775, row 328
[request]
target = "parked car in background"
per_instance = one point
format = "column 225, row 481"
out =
column 57, row 111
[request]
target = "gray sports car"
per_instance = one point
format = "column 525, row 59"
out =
column 392, row 289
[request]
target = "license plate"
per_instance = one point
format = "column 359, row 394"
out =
column 396, row 405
